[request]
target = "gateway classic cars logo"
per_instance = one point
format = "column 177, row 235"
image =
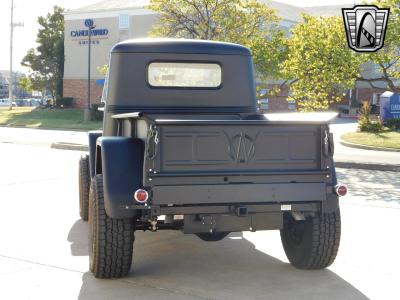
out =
column 365, row 27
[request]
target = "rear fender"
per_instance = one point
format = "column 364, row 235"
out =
column 122, row 169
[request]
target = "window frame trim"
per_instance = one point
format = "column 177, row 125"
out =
column 184, row 87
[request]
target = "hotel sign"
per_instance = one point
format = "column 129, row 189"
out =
column 82, row 35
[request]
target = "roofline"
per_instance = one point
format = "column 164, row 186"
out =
column 107, row 13
column 78, row 11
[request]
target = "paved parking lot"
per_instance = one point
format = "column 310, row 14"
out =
column 43, row 247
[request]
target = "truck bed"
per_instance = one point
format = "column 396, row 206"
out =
column 276, row 158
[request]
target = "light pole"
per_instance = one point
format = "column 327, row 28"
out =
column 11, row 79
column 90, row 25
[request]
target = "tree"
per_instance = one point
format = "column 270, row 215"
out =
column 386, row 61
column 319, row 63
column 47, row 60
column 246, row 22
column 103, row 70
column 26, row 84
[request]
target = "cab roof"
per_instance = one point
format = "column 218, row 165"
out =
column 183, row 46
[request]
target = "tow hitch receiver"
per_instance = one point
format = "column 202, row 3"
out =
column 241, row 211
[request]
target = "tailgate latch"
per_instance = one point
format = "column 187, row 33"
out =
column 152, row 142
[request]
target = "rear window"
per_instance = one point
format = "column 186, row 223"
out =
column 184, row 75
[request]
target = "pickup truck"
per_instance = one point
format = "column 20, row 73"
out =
column 183, row 147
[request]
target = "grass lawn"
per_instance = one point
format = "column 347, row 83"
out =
column 46, row 118
column 386, row 139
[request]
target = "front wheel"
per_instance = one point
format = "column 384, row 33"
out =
column 110, row 240
column 84, row 185
column 312, row 243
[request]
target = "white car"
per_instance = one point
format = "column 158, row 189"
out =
column 6, row 103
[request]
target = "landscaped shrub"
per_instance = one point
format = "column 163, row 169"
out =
column 373, row 126
column 393, row 123
column 65, row 102
column 365, row 123
column 97, row 115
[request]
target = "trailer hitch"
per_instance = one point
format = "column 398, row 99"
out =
column 241, row 211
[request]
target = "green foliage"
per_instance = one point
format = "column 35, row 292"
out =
column 47, row 61
column 103, row 70
column 246, row 22
column 26, row 84
column 373, row 126
column 65, row 102
column 393, row 124
column 365, row 123
column 320, row 63
column 68, row 118
column 386, row 139
column 97, row 115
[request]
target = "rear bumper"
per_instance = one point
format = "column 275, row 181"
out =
column 238, row 193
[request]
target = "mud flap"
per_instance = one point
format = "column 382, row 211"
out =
column 93, row 136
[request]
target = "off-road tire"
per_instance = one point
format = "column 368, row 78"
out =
column 312, row 243
column 212, row 237
column 84, row 186
column 110, row 240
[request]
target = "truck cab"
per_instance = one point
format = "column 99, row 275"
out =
column 183, row 147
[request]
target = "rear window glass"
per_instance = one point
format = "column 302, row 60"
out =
column 185, row 75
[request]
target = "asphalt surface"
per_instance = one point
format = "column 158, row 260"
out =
column 43, row 248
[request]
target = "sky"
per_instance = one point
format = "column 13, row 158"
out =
column 27, row 11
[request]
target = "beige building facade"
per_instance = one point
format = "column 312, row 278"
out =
column 111, row 27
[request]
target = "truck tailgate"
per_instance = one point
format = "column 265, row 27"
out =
column 245, row 147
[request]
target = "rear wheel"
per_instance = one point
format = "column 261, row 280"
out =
column 212, row 237
column 84, row 185
column 312, row 243
column 110, row 240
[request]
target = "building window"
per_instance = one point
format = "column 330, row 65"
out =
column 291, row 104
column 184, row 75
column 124, row 21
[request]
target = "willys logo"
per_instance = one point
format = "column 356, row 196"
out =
column 365, row 27
column 241, row 148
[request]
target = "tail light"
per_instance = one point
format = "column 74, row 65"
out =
column 341, row 190
column 141, row 196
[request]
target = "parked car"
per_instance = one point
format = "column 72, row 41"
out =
column 6, row 103
column 183, row 148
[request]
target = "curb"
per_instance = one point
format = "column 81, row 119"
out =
column 44, row 128
column 367, row 166
column 366, row 147
column 338, row 164
column 69, row 146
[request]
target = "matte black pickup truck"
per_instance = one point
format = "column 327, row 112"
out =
column 183, row 148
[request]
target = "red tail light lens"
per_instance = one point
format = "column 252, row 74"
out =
column 141, row 196
column 341, row 190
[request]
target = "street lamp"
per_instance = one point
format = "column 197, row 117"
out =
column 90, row 25
column 11, row 80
